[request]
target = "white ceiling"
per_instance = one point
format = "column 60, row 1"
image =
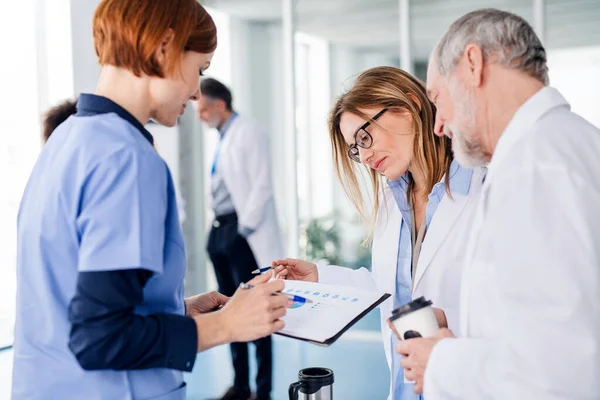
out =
column 374, row 24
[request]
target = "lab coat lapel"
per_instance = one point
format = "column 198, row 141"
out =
column 385, row 260
column 226, row 155
column 386, row 251
column 387, row 276
column 445, row 217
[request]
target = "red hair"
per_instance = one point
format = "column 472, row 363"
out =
column 127, row 33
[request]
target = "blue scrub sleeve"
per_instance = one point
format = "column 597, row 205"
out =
column 107, row 334
column 122, row 212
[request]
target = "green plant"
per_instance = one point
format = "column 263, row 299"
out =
column 363, row 257
column 321, row 239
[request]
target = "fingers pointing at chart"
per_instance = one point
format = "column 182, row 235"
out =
column 297, row 270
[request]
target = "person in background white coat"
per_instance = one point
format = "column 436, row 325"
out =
column 531, row 289
column 245, row 232
column 385, row 124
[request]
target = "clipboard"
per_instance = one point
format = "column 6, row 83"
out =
column 334, row 310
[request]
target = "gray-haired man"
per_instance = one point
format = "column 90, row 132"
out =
column 530, row 320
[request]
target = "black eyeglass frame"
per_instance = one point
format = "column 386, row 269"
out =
column 353, row 152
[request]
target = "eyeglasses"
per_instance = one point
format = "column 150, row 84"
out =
column 362, row 138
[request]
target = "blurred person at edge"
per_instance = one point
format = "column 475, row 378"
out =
column 57, row 115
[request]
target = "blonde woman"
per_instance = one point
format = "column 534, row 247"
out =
column 423, row 201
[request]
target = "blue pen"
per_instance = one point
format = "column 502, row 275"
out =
column 292, row 297
column 261, row 270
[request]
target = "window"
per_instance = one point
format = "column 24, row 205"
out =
column 576, row 73
column 220, row 69
column 20, row 142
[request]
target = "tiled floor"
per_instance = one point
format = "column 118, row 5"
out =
column 5, row 373
column 358, row 365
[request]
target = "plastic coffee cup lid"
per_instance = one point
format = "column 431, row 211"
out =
column 411, row 307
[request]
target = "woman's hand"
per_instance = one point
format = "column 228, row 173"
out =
column 298, row 270
column 204, row 303
column 250, row 314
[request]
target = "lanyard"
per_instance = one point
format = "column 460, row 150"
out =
column 416, row 240
column 213, row 169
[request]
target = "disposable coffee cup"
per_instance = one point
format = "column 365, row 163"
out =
column 415, row 319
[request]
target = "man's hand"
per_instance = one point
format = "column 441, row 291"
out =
column 440, row 316
column 416, row 354
column 204, row 303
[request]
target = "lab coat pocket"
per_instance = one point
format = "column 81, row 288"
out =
column 177, row 394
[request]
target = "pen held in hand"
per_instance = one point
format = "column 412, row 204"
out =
column 261, row 270
column 292, row 297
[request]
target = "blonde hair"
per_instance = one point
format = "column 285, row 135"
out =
column 397, row 91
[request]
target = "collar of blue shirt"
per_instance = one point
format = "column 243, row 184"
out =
column 91, row 104
column 460, row 183
column 460, row 180
column 227, row 124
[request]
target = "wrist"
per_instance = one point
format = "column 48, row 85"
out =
column 225, row 328
column 186, row 307
column 212, row 330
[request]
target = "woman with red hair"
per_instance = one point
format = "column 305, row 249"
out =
column 101, row 257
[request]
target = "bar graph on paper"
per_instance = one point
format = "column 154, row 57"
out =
column 332, row 308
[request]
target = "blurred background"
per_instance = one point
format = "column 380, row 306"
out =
column 285, row 62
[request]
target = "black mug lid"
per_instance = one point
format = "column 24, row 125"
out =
column 411, row 307
column 315, row 378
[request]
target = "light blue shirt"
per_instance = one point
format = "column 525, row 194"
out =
column 460, row 182
column 99, row 198
column 222, row 203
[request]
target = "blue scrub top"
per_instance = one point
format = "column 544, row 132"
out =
column 100, row 198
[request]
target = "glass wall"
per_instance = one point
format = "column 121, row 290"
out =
column 336, row 40
column 430, row 19
column 573, row 43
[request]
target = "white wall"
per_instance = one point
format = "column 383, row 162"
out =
column 257, row 86
column 20, row 133
column 55, row 51
column 576, row 73
column 85, row 62
column 346, row 63
column 248, row 60
column 257, row 80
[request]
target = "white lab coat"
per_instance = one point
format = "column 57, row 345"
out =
column 441, row 261
column 531, row 288
column 245, row 165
